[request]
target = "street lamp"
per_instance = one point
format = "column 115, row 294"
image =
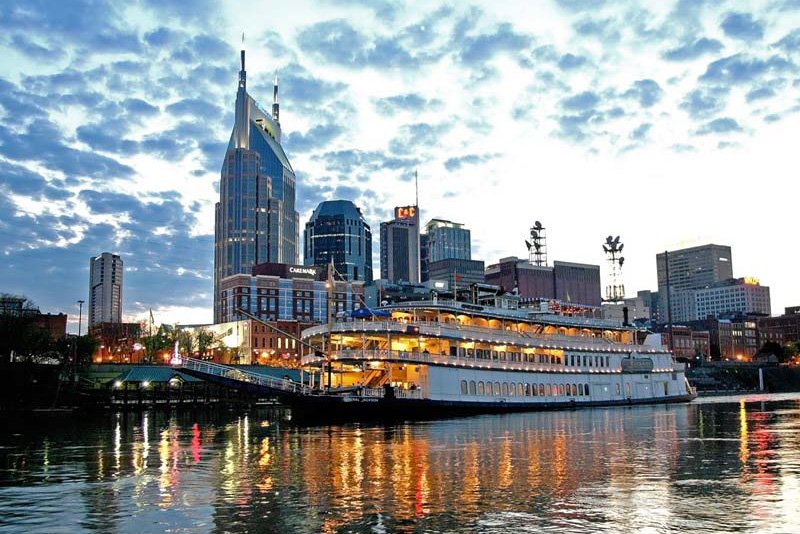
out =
column 80, row 316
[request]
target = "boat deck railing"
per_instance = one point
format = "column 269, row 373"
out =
column 240, row 375
column 468, row 361
column 483, row 334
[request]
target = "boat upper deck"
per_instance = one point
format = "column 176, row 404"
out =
column 450, row 321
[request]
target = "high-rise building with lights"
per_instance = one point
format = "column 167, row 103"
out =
column 400, row 250
column 105, row 289
column 256, row 220
column 337, row 232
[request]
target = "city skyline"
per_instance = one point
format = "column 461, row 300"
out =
column 671, row 130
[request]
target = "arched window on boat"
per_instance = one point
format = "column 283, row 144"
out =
column 480, row 388
column 540, row 389
column 608, row 361
column 574, row 390
column 568, row 391
column 497, row 388
column 580, row 390
column 511, row 389
column 463, row 387
column 520, row 390
column 548, row 391
column 472, row 387
column 586, row 389
column 618, row 390
column 528, row 390
column 489, row 388
column 505, row 388
column 561, row 389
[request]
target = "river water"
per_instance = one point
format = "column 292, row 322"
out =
column 716, row 465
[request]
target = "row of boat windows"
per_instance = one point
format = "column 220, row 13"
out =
column 573, row 360
column 511, row 389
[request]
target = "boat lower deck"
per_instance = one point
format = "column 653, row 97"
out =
column 326, row 408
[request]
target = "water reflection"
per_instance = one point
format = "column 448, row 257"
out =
column 715, row 466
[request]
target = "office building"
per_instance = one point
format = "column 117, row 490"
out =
column 280, row 292
column 256, row 220
column 447, row 240
column 781, row 329
column 105, row 289
column 400, row 246
column 567, row 282
column 457, row 271
column 337, row 232
column 688, row 269
column 742, row 295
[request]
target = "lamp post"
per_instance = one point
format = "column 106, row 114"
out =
column 80, row 316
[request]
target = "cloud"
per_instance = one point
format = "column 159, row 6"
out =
column 349, row 162
column 580, row 5
column 739, row 69
column 571, row 61
column 646, row 92
column 483, row 47
column 640, row 132
column 35, row 50
column 581, row 101
column 742, row 26
column 693, row 50
column 194, row 107
column 719, row 126
column 704, row 102
column 760, row 93
column 338, row 42
column 406, row 102
column 42, row 142
column 300, row 88
column 790, row 42
column 420, row 134
column 454, row 164
column 604, row 29
column 317, row 137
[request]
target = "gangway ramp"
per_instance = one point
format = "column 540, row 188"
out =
column 233, row 377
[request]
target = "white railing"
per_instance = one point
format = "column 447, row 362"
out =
column 458, row 361
column 239, row 375
column 484, row 334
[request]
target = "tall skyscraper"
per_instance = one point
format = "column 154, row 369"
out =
column 256, row 221
column 400, row 254
column 105, row 289
column 447, row 240
column 688, row 269
column 337, row 231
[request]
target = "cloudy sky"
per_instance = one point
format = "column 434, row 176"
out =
column 669, row 123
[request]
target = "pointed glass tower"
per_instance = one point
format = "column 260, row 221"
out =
column 256, row 221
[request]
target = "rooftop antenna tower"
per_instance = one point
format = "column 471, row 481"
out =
column 615, row 291
column 416, row 188
column 537, row 246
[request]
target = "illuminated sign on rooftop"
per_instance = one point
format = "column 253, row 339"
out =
column 405, row 212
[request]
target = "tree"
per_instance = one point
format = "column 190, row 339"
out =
column 771, row 348
column 20, row 336
column 185, row 340
column 206, row 339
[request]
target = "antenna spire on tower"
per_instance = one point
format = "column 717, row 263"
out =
column 416, row 188
column 275, row 105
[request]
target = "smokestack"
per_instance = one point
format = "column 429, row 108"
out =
column 625, row 316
